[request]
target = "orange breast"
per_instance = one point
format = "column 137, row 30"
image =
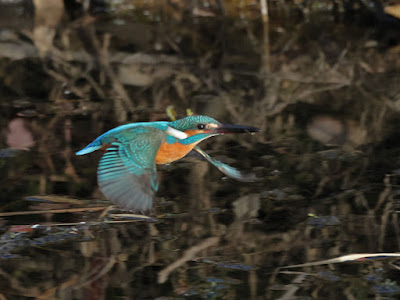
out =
column 171, row 152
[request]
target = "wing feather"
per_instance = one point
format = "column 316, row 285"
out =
column 228, row 170
column 127, row 172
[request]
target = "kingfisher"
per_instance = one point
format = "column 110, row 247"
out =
column 127, row 172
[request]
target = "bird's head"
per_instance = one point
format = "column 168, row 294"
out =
column 199, row 128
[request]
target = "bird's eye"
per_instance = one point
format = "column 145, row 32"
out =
column 201, row 126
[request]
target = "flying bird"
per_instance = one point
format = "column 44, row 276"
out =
column 127, row 172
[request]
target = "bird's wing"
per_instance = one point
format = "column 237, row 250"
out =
column 228, row 170
column 127, row 172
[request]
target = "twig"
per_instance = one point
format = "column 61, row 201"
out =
column 110, row 264
column 347, row 258
column 293, row 287
column 94, row 223
column 54, row 211
column 188, row 255
column 105, row 212
column 384, row 223
column 264, row 10
column 266, row 66
column 117, row 86
column 54, row 199
column 309, row 93
column 385, row 194
column 130, row 216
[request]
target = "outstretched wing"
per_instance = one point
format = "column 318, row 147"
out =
column 127, row 172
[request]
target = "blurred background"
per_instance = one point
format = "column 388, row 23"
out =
column 319, row 78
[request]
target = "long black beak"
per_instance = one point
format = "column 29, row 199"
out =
column 231, row 128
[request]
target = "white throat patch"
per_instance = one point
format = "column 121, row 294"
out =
column 176, row 133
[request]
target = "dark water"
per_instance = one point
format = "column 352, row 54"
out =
column 326, row 100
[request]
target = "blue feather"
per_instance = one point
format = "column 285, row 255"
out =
column 127, row 173
column 108, row 137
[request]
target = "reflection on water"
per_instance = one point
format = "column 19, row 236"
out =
column 327, row 154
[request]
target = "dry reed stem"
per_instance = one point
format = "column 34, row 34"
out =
column 54, row 211
column 188, row 255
